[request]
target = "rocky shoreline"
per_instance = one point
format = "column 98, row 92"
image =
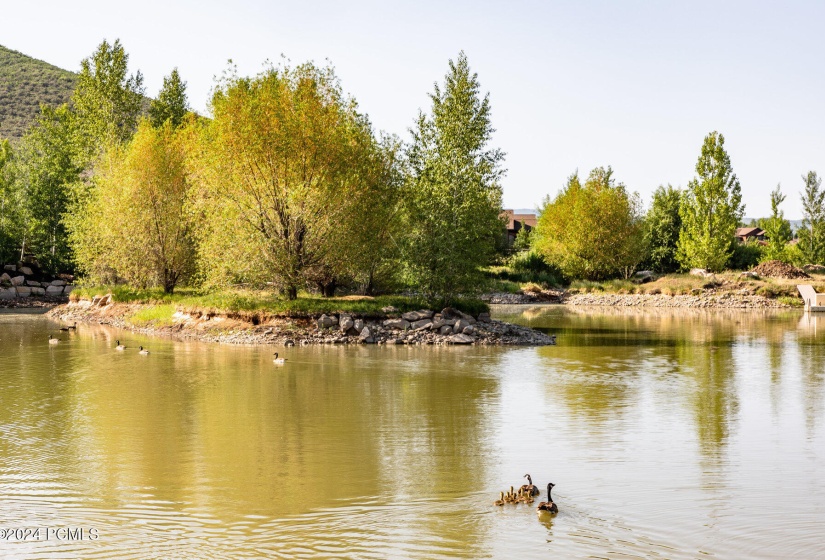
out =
column 707, row 299
column 724, row 300
column 423, row 327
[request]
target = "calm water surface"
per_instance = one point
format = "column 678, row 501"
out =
column 669, row 434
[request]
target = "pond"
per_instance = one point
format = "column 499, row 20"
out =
column 668, row 434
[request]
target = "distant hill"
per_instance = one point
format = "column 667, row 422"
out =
column 25, row 83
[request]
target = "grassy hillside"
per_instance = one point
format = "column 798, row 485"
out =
column 25, row 83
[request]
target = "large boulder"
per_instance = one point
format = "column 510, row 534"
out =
column 460, row 325
column 38, row 291
column 413, row 316
column 58, row 291
column 345, row 323
column 25, row 270
column 398, row 324
column 24, row 291
column 460, row 339
column 58, row 282
column 483, row 317
column 421, row 325
column 366, row 336
column 449, row 313
column 325, row 321
column 359, row 325
column 8, row 293
column 18, row 280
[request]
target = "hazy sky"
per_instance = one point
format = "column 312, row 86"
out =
column 573, row 85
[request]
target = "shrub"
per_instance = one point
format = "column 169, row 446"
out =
column 745, row 256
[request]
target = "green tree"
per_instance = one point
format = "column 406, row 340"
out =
column 45, row 171
column 135, row 221
column 452, row 196
column 711, row 209
column 592, row 231
column 370, row 251
column 812, row 232
column 777, row 230
column 106, row 101
column 171, row 103
column 662, row 226
column 10, row 226
column 280, row 167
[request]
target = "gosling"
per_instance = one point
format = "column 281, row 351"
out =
column 500, row 501
column 548, row 507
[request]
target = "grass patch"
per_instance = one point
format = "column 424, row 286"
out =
column 154, row 315
column 585, row 287
column 676, row 284
column 792, row 301
column 255, row 306
column 502, row 285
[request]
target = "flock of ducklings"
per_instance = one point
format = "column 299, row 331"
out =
column 525, row 495
column 118, row 346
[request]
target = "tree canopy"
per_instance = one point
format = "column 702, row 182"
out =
column 592, row 231
column 812, row 233
column 662, row 226
column 711, row 209
column 452, row 197
column 135, row 223
column 106, row 102
column 171, row 103
column 777, row 230
column 280, row 167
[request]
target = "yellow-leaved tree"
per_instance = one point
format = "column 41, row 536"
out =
column 592, row 231
column 288, row 171
column 134, row 221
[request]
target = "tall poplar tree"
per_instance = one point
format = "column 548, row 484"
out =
column 106, row 101
column 453, row 195
column 777, row 230
column 812, row 233
column 171, row 104
column 711, row 209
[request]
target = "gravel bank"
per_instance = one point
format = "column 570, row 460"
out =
column 705, row 300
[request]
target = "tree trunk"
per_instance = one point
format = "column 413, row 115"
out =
column 327, row 289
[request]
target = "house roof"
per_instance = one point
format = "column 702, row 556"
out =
column 749, row 232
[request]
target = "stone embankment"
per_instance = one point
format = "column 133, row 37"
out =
column 449, row 326
column 20, row 282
